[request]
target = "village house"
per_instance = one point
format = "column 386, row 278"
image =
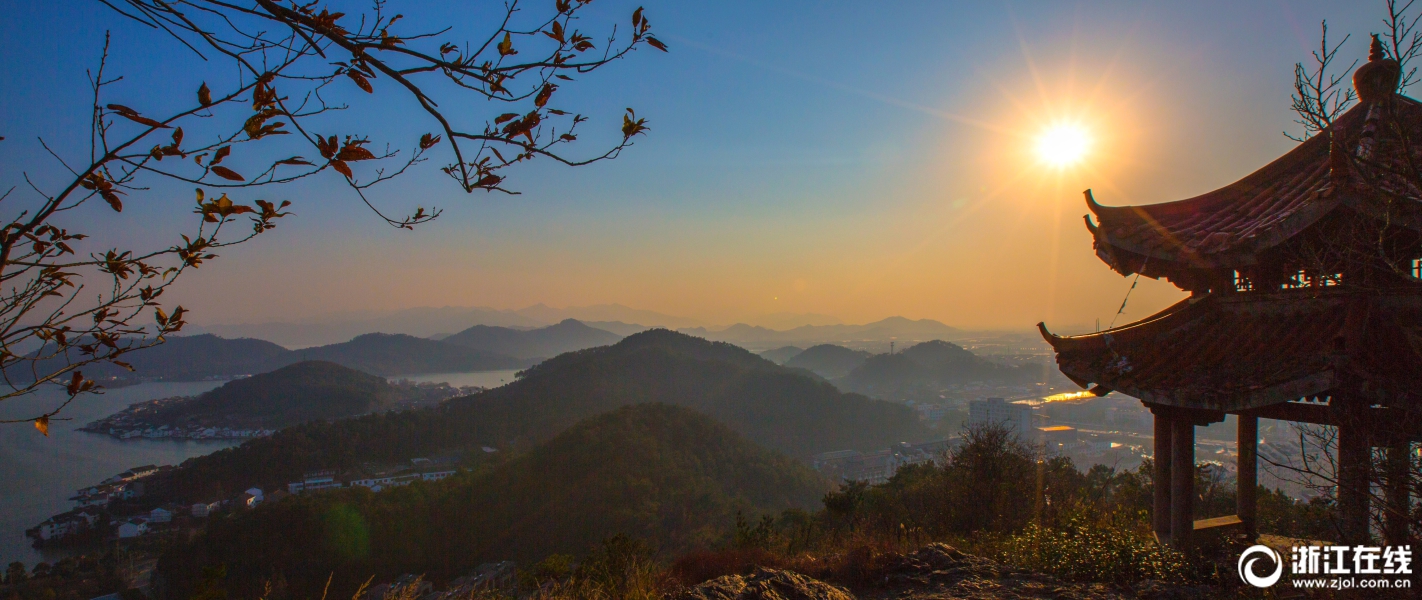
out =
column 67, row 524
column 132, row 528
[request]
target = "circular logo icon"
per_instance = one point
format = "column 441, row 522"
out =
column 1246, row 566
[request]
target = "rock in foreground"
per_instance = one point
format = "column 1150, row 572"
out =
column 764, row 584
column 936, row 571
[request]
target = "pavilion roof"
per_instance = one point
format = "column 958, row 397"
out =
column 1230, row 226
column 1235, row 351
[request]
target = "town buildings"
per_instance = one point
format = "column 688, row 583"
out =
column 1017, row 418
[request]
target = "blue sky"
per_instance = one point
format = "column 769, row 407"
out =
column 853, row 159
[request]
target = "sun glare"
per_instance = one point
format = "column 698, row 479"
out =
column 1063, row 145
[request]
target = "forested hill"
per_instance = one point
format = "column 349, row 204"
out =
column 391, row 354
column 773, row 406
column 305, row 391
column 198, row 357
column 567, row 336
column 931, row 363
column 663, row 474
column 828, row 360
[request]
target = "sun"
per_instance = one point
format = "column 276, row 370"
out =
column 1063, row 145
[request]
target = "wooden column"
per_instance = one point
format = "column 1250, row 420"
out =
column 1182, row 481
column 1354, row 457
column 1396, row 494
column 1160, row 513
column 1350, row 407
column 1247, row 482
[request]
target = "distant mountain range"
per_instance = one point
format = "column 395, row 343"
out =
column 391, row 354
column 761, row 333
column 567, row 336
column 776, row 407
column 893, row 328
column 431, row 322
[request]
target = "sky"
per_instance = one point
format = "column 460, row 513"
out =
column 859, row 160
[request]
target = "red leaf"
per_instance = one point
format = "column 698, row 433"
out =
column 227, row 174
column 342, row 168
column 354, row 153
column 361, row 81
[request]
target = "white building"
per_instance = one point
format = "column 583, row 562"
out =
column 319, row 480
column 134, row 528
column 1016, row 418
column 160, row 515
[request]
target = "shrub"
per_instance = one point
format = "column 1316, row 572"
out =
column 1083, row 550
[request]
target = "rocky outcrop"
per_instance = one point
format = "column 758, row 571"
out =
column 934, row 572
column 764, row 584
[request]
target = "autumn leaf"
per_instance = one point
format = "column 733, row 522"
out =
column 342, row 167
column 204, row 95
column 132, row 115
column 557, row 33
column 221, row 154
column 428, row 141
column 227, row 174
column 295, row 160
column 506, row 47
column 631, row 127
column 501, row 119
column 656, row 43
column 42, row 424
column 360, row 80
column 544, row 95
column 327, row 146
column 352, row 153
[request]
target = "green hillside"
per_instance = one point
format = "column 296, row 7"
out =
column 660, row 473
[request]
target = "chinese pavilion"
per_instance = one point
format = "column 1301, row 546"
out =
column 1305, row 305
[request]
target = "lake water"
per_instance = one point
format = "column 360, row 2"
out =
column 38, row 474
column 488, row 379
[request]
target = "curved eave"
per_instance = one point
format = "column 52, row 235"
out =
column 1238, row 253
column 1230, row 225
column 1102, row 339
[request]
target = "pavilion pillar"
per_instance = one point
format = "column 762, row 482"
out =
column 1247, row 481
column 1182, row 481
column 1160, row 513
column 1354, row 458
column 1396, row 471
